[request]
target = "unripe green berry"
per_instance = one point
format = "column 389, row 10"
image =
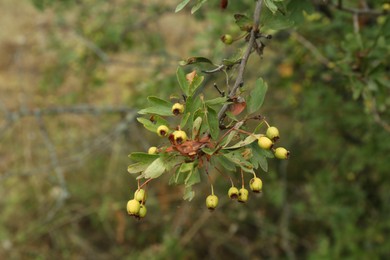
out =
column 133, row 207
column 233, row 193
column 211, row 202
column 265, row 143
column 179, row 136
column 272, row 133
column 227, row 39
column 177, row 108
column 140, row 196
column 162, row 130
column 255, row 184
column 152, row 150
column 142, row 211
column 243, row 195
column 281, row 153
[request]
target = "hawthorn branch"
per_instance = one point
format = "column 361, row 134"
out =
column 244, row 60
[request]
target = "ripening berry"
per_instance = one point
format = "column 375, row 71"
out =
column 211, row 202
column 233, row 193
column 243, row 195
column 386, row 7
column 227, row 39
column 272, row 133
column 140, row 196
column 281, row 153
column 142, row 211
column 152, row 150
column 180, row 136
column 177, row 108
column 255, row 184
column 265, row 143
column 162, row 130
column 133, row 207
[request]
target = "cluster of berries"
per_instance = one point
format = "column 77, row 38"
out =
column 136, row 207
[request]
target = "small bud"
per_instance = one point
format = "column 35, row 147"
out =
column 152, row 150
column 211, row 202
column 162, row 130
column 243, row 195
column 265, row 143
column 272, row 133
column 255, row 184
column 177, row 109
column 133, row 207
column 281, row 153
column 233, row 193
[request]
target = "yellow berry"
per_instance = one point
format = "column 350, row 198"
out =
column 140, row 196
column 264, row 142
column 272, row 133
column 152, row 150
column 177, row 108
column 211, row 202
column 243, row 195
column 133, row 207
column 227, row 39
column 233, row 193
column 179, row 136
column 255, row 184
column 142, row 211
column 162, row 130
column 281, row 153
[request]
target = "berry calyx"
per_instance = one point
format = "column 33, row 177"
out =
column 177, row 109
column 233, row 193
column 179, row 136
column 255, row 184
column 211, row 202
column 152, row 150
column 281, row 153
column 227, row 39
column 140, row 196
column 162, row 130
column 133, row 207
column 265, row 143
column 272, row 133
column 243, row 195
column 142, row 211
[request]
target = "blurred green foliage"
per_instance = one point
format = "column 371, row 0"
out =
column 329, row 93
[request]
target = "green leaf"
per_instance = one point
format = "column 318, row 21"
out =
column 213, row 123
column 277, row 21
column 184, row 119
column 297, row 8
column 195, row 84
column 248, row 140
column 155, row 169
column 271, row 5
column 243, row 22
column 192, row 178
column 156, row 101
column 257, row 95
column 189, row 194
column 186, row 167
column 197, row 6
column 196, row 127
column 258, row 158
column 181, row 78
column 137, row 167
column 216, row 101
column 157, row 110
column 224, row 162
column 193, row 60
column 148, row 124
column 180, row 6
column 239, row 160
column 143, row 157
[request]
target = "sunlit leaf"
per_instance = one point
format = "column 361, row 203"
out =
column 257, row 95
column 155, row 169
column 180, row 6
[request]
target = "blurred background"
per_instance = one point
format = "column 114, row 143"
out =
column 73, row 75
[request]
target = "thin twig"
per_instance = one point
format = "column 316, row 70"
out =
column 241, row 70
column 356, row 11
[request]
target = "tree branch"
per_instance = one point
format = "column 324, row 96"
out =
column 241, row 69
